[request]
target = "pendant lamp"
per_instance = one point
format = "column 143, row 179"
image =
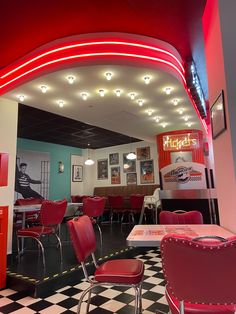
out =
column 89, row 161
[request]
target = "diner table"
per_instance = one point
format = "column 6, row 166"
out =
column 71, row 207
column 151, row 235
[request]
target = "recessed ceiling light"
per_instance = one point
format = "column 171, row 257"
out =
column 147, row 79
column 84, row 95
column 168, row 90
column 164, row 124
column 43, row 88
column 101, row 92
column 61, row 103
column 108, row 75
column 140, row 102
column 189, row 124
column 70, row 79
column 175, row 101
column 118, row 92
column 180, row 110
column 132, row 95
column 186, row 118
column 149, row 111
column 157, row 119
column 21, row 97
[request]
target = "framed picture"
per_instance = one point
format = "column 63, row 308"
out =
column 77, row 173
column 131, row 178
column 143, row 153
column 115, row 175
column 128, row 165
column 218, row 119
column 146, row 172
column 114, row 159
column 102, row 169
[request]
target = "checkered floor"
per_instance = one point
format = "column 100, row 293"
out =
column 118, row 300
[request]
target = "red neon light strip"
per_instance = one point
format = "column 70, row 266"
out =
column 93, row 55
column 94, row 43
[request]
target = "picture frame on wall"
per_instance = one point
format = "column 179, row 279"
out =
column 77, row 173
column 218, row 118
column 102, row 169
column 143, row 153
column 115, row 175
column 128, row 165
column 146, row 172
column 131, row 178
column 114, row 159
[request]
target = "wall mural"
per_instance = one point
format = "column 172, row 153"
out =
column 32, row 174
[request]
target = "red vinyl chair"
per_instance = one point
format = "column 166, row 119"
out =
column 123, row 272
column 31, row 217
column 136, row 205
column 94, row 207
column 200, row 274
column 180, row 217
column 116, row 204
column 51, row 215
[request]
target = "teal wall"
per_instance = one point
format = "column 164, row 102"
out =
column 59, row 184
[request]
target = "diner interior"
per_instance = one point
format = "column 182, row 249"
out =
column 117, row 157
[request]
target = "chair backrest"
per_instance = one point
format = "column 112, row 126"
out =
column 136, row 201
column 156, row 194
column 28, row 201
column 116, row 201
column 94, row 206
column 52, row 212
column 172, row 218
column 82, row 237
column 200, row 271
column 76, row 198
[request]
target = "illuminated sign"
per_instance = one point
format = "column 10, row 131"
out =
column 180, row 142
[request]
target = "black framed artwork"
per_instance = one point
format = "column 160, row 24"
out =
column 77, row 173
column 218, row 118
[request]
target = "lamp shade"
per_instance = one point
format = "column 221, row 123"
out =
column 131, row 156
column 89, row 162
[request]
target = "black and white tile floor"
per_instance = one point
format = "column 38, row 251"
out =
column 118, row 300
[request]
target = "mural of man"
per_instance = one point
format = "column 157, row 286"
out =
column 23, row 181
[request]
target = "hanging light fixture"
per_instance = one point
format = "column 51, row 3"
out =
column 131, row 155
column 89, row 161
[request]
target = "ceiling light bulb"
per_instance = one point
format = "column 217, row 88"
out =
column 186, row 118
column 157, row 119
column 71, row 79
column 60, row 103
column 164, row 124
column 175, row 101
column 189, row 124
column 108, row 76
column 44, row 89
column 147, row 79
column 149, row 111
column 132, row 96
column 84, row 96
column 181, row 110
column 118, row 92
column 101, row 92
column 21, row 97
column 140, row 102
column 167, row 90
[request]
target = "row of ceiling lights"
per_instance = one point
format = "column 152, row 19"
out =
column 147, row 78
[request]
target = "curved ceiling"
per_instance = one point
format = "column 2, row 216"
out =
column 176, row 22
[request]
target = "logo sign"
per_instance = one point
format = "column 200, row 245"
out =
column 177, row 142
column 184, row 175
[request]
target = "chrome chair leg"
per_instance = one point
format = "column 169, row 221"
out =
column 82, row 297
column 89, row 300
column 140, row 298
column 136, row 305
column 59, row 243
column 100, row 232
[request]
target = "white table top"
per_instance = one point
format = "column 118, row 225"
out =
column 151, row 235
column 26, row 208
